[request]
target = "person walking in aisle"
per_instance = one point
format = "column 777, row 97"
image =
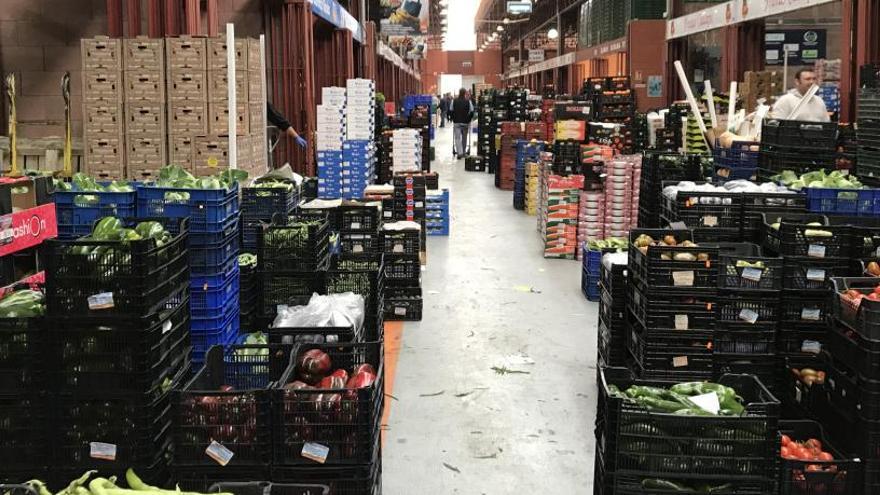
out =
column 462, row 114
column 444, row 109
column 813, row 110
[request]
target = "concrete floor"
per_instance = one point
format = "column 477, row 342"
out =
column 491, row 300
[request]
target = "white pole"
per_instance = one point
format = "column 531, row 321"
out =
column 695, row 109
column 784, row 68
column 261, row 133
column 710, row 102
column 230, row 83
column 731, row 107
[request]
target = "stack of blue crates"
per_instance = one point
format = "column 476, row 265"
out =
column 358, row 167
column 437, row 212
column 76, row 211
column 592, row 265
column 526, row 151
column 213, row 257
column 330, row 166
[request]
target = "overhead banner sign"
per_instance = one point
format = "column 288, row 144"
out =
column 733, row 12
column 804, row 46
column 411, row 47
column 335, row 14
column 403, row 17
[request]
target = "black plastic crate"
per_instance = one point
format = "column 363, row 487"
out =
column 747, row 310
column 803, row 311
column 671, row 350
column 360, row 243
column 294, row 245
column 739, row 485
column 152, row 471
column 743, row 339
column 289, row 288
column 673, row 311
column 842, row 475
column 797, row 134
column 651, row 270
column 755, row 205
column 403, row 304
column 133, row 278
column 362, row 218
column 812, row 274
column 611, row 345
column 752, row 273
column 339, row 416
column 775, row 159
column 799, row 339
column 267, row 488
column 851, row 392
column 120, row 357
column 362, row 479
column 703, row 209
column 403, row 270
column 861, row 316
column 204, row 478
column 654, row 444
column 401, row 242
column 859, row 353
column 261, row 203
column 791, row 239
column 25, row 443
column 229, row 401
column 23, row 355
column 766, row 367
column 294, row 335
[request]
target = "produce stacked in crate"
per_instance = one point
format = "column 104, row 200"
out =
column 212, row 206
column 747, row 313
column 262, row 200
column 116, row 340
column 402, row 245
column 486, row 125
column 673, row 287
column 517, row 108
column 658, row 167
column 532, row 179
column 83, row 200
column 548, row 117
column 813, row 252
column 437, row 218
column 526, row 152
column 359, row 227
column 622, row 178
column 144, row 103
column 362, row 274
column 384, row 157
column 812, row 464
column 593, row 159
column 651, row 436
column 613, row 325
column 505, row 176
column 737, row 160
column 712, row 212
column 760, row 84
column 616, row 106
column 592, row 259
column 567, row 157
column 797, row 145
column 559, row 222
column 248, row 293
column 410, row 194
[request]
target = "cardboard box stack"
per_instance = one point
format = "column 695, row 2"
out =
column 359, row 150
column 532, row 180
column 358, row 166
column 406, row 150
column 151, row 101
column 511, row 132
column 765, row 84
column 558, row 218
column 103, row 118
column 623, row 175
column 329, row 138
column 828, row 78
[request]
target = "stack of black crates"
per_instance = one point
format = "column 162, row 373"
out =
column 401, row 245
column 613, row 322
column 566, row 157
column 259, row 205
column 116, row 339
column 384, row 158
column 868, row 119
column 517, row 106
column 616, row 102
column 249, row 295
column 672, row 294
column 486, row 125
column 713, row 216
column 796, row 145
column 359, row 268
column 658, row 167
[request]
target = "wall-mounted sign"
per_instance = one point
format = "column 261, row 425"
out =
column 536, row 55
column 733, row 12
column 804, row 46
column 655, row 86
column 403, row 17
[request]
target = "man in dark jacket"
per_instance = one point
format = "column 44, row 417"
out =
column 461, row 113
column 444, row 109
column 275, row 118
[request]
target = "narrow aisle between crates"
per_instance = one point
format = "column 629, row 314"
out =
column 497, row 376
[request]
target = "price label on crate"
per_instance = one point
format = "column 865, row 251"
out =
column 748, row 315
column 752, row 274
column 679, row 361
column 398, row 248
column 219, row 453
column 707, row 402
column 710, row 221
column 357, row 248
column 400, row 311
column 681, row 322
column 678, row 226
column 419, row 204
column 103, row 451
column 683, row 278
column 816, row 251
column 355, row 225
column 387, row 213
column 811, row 314
column 816, row 275
column 813, row 347
column 103, row 300
column 166, row 327
column 315, row 452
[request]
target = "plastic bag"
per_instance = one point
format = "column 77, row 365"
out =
column 333, row 310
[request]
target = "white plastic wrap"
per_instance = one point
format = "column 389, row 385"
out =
column 333, row 310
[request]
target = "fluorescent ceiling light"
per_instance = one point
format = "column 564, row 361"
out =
column 552, row 34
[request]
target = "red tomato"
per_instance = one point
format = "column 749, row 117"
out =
column 804, row 454
column 786, row 440
column 874, row 296
column 786, row 453
column 813, row 468
column 825, row 456
column 877, row 289
column 813, row 444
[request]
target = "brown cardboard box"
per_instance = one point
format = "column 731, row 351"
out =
column 102, row 117
column 253, row 64
column 255, row 87
column 146, row 85
column 218, row 118
column 190, row 117
column 145, row 155
column 218, row 86
column 257, row 118
column 181, row 150
column 101, row 85
column 217, row 53
column 187, row 84
column 104, row 156
column 142, row 53
column 101, row 52
column 210, row 155
column 186, row 52
column 145, row 118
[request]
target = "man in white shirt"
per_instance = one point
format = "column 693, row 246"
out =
column 812, row 111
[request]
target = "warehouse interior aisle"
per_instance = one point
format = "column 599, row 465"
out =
column 495, row 389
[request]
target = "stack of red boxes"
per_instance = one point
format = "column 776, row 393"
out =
column 549, row 118
column 591, row 218
column 621, row 193
column 561, row 198
column 506, row 173
column 536, row 130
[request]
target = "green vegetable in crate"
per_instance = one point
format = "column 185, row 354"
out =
column 660, row 484
column 150, row 230
column 746, row 264
column 176, row 176
column 727, row 397
column 247, row 259
column 107, row 229
column 22, row 304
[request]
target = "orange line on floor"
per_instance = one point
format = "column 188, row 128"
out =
column 393, row 335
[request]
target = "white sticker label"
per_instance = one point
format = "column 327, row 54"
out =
column 679, row 361
column 710, row 221
column 753, row 274
column 748, row 315
column 683, row 278
column 681, row 322
column 811, row 314
column 400, row 311
column 355, row 225
column 398, row 248
column 357, row 248
column 315, row 452
column 166, row 327
column 419, row 204
column 707, row 402
column 103, row 300
column 101, row 450
column 797, row 394
column 387, row 214
column 816, row 275
column 816, row 251
column 219, row 453
column 811, row 346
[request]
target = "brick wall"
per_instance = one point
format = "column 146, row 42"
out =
column 39, row 41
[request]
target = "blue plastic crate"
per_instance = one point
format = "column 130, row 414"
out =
column 214, row 331
column 206, row 298
column 590, row 287
column 76, row 215
column 207, row 209
column 862, row 202
column 593, row 262
column 202, row 259
column 438, row 231
column 212, row 239
column 739, row 155
column 213, row 276
column 741, row 173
